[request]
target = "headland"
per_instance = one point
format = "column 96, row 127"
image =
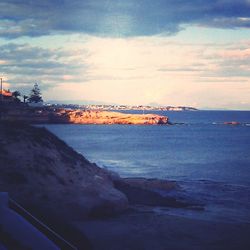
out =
column 25, row 113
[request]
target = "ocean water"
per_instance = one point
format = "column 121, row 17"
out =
column 209, row 160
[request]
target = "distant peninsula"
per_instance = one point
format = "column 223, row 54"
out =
column 110, row 107
column 36, row 111
column 13, row 109
column 69, row 116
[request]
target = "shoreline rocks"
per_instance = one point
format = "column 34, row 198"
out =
column 58, row 185
column 150, row 184
column 148, row 192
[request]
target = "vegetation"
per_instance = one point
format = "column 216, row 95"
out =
column 35, row 95
column 16, row 95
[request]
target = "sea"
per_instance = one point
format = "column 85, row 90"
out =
column 208, row 159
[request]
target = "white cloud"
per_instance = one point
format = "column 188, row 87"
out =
column 136, row 70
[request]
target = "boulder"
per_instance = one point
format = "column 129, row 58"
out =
column 140, row 193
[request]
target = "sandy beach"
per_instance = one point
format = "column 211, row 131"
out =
column 143, row 229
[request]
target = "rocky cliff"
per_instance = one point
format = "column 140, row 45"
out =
column 40, row 171
column 106, row 117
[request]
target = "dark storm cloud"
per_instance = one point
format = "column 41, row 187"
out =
column 117, row 17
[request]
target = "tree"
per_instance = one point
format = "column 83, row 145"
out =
column 16, row 95
column 35, row 95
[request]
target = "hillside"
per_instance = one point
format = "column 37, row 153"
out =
column 41, row 171
column 59, row 186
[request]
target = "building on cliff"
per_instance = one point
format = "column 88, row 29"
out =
column 6, row 96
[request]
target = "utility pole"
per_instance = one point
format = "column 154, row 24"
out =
column 1, row 105
column 1, row 90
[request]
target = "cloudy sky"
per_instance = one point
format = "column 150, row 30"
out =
column 166, row 52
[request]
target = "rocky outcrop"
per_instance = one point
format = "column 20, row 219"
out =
column 106, row 117
column 232, row 123
column 149, row 192
column 24, row 113
column 41, row 172
column 150, row 184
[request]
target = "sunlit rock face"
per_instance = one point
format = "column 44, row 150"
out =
column 48, row 115
column 105, row 117
column 42, row 173
column 232, row 123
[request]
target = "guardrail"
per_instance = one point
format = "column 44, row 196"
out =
column 52, row 235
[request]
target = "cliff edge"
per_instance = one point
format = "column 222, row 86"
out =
column 42, row 173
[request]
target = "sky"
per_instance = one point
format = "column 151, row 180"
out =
column 134, row 52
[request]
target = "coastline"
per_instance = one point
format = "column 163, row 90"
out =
column 138, row 227
column 47, row 115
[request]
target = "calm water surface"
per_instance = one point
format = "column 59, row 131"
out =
column 211, row 161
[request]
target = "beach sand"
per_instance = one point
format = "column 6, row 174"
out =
column 148, row 230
